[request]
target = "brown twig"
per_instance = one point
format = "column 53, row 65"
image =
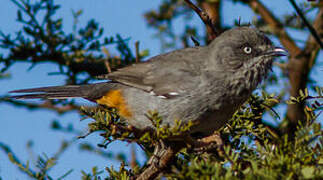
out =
column 211, row 31
column 195, row 41
column 107, row 65
column 133, row 162
column 160, row 160
column 212, row 8
column 106, row 62
column 215, row 137
column 45, row 105
column 309, row 26
column 137, row 52
column 209, row 143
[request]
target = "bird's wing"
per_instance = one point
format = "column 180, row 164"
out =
column 166, row 75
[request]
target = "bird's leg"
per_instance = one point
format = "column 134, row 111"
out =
column 206, row 144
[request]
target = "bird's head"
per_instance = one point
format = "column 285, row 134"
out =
column 243, row 48
column 244, row 53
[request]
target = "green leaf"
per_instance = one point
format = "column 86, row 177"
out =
column 308, row 172
column 144, row 53
column 320, row 161
column 19, row 15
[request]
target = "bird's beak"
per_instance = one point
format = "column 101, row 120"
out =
column 279, row 51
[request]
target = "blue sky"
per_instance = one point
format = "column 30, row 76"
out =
column 124, row 17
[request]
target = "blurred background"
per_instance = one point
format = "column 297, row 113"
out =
column 29, row 131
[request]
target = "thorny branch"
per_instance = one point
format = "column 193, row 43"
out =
column 164, row 153
column 160, row 160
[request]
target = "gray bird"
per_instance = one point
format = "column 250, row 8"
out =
column 205, row 85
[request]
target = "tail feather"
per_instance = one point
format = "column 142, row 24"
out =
column 63, row 92
column 40, row 96
column 50, row 89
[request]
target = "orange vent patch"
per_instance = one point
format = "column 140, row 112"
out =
column 114, row 99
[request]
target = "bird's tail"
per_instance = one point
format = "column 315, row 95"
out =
column 89, row 91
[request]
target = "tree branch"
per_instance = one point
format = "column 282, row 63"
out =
column 299, row 68
column 15, row 160
column 275, row 25
column 210, row 27
column 213, row 11
column 45, row 105
column 160, row 160
column 310, row 27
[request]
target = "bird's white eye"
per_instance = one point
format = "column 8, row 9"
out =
column 247, row 49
